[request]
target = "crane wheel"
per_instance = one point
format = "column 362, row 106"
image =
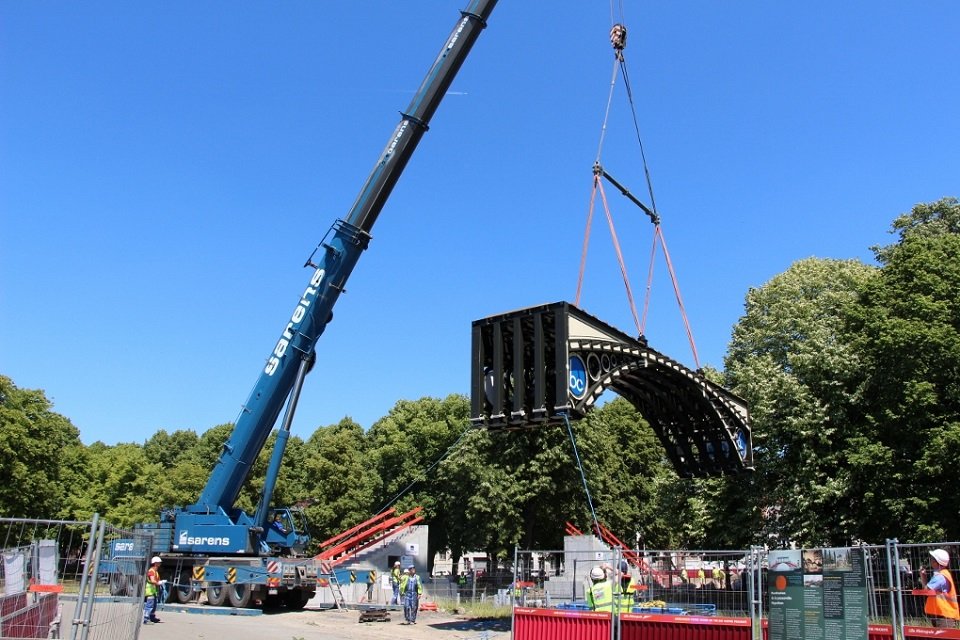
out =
column 217, row 594
column 241, row 595
column 119, row 585
column 182, row 593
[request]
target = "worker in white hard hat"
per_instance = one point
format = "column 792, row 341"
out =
column 941, row 606
column 411, row 588
column 599, row 592
column 151, row 590
column 395, row 575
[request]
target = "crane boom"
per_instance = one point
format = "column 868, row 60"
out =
column 339, row 253
column 243, row 559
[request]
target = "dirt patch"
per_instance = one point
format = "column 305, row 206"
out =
column 328, row 624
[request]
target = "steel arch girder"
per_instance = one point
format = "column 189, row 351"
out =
column 540, row 365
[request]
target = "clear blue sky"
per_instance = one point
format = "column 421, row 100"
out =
column 166, row 168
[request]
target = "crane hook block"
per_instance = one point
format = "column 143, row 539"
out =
column 618, row 38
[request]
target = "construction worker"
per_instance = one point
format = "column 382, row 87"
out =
column 626, row 591
column 395, row 576
column 278, row 524
column 717, row 575
column 371, row 583
column 151, row 590
column 411, row 588
column 600, row 590
column 941, row 606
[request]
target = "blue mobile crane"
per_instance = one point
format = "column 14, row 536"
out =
column 241, row 558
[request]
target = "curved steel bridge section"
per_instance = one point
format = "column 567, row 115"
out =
column 541, row 365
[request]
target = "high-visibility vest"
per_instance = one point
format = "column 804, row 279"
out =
column 395, row 576
column 600, row 596
column 944, row 604
column 405, row 584
column 625, row 597
column 153, row 577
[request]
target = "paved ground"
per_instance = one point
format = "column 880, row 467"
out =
column 328, row 624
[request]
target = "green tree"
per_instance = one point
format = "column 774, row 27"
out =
column 626, row 467
column 517, row 488
column 183, row 476
column 337, row 476
column 793, row 360
column 406, row 445
column 458, row 478
column 168, row 449
column 37, row 449
column 925, row 220
column 904, row 484
column 120, row 484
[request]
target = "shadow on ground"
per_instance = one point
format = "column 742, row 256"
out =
column 477, row 624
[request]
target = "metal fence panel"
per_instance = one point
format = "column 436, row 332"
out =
column 82, row 580
column 689, row 593
column 706, row 583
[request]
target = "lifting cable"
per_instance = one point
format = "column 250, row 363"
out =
column 598, row 186
column 618, row 39
column 583, row 476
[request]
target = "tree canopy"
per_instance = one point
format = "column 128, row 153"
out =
column 40, row 451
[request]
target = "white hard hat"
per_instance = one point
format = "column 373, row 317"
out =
column 155, row 560
column 397, row 563
column 597, row 573
column 941, row 556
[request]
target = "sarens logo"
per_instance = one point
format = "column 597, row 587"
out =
column 396, row 138
column 456, row 36
column 213, row 541
column 298, row 315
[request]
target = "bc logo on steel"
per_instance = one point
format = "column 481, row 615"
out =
column 578, row 377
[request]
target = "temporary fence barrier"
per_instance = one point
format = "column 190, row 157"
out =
column 82, row 580
column 677, row 581
column 708, row 595
column 670, row 627
column 36, row 618
column 885, row 632
column 554, row 624
column 558, row 624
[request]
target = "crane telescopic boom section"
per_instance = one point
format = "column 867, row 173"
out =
column 339, row 253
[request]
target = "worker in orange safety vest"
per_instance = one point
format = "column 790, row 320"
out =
column 941, row 606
